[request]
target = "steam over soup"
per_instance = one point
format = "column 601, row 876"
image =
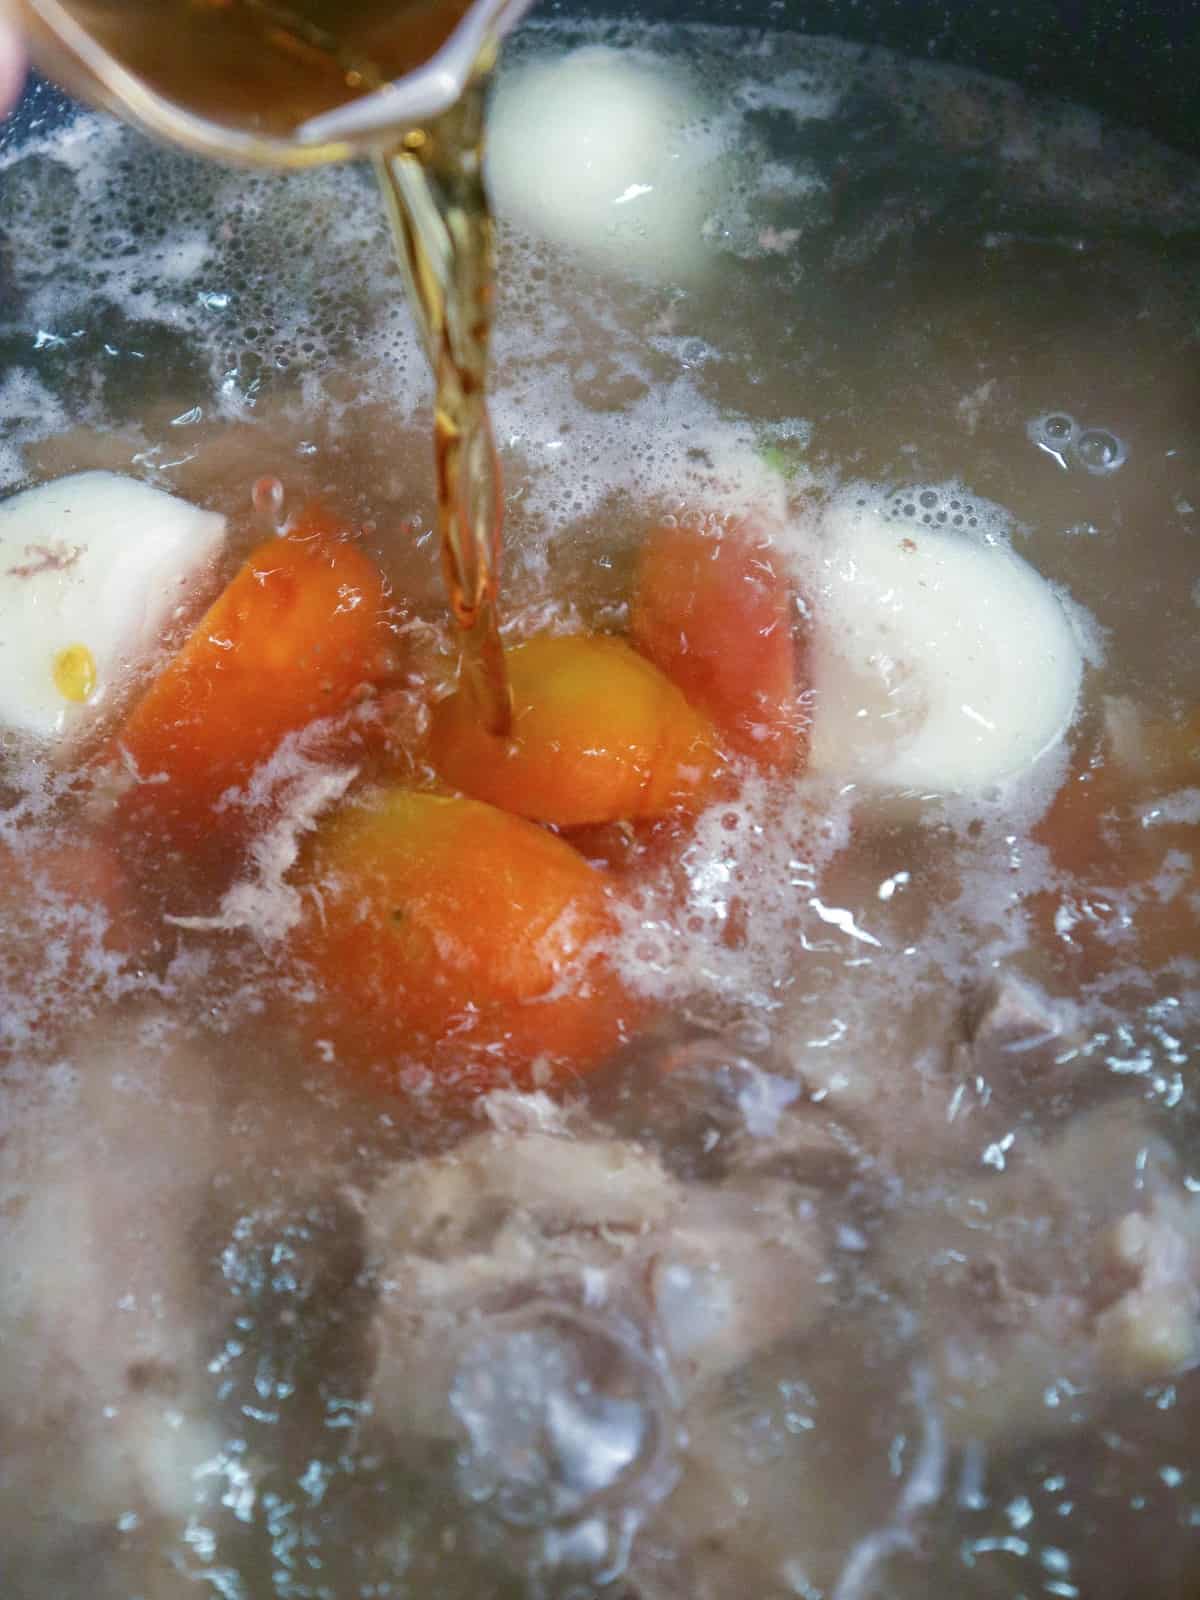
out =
column 738, row 1135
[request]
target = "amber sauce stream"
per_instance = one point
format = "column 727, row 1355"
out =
column 262, row 66
column 436, row 200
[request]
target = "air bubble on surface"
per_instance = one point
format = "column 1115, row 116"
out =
column 1059, row 427
column 1100, row 452
column 1055, row 433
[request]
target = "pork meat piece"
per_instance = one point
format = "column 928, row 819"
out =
column 555, row 1308
column 1043, row 1288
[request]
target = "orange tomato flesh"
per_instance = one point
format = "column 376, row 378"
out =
column 291, row 638
column 94, row 904
column 1127, row 906
column 1092, row 828
column 599, row 735
column 451, row 935
column 713, row 610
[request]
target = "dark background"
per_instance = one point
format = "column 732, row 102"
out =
column 1135, row 60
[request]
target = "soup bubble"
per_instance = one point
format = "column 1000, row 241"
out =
column 1055, row 433
column 1100, row 452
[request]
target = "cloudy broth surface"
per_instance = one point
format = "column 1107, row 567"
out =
column 870, row 1264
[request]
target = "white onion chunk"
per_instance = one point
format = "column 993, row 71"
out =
column 942, row 662
column 92, row 569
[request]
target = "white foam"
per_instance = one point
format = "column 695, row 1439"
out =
column 750, row 879
column 288, row 794
column 28, row 411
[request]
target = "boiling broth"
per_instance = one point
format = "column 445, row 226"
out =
column 246, row 1342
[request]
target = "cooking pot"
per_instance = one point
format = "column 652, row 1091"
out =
column 624, row 1212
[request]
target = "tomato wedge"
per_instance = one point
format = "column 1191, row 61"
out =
column 599, row 735
column 714, row 610
column 293, row 636
column 451, row 936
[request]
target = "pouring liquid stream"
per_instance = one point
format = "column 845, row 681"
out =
column 267, row 67
column 436, row 201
